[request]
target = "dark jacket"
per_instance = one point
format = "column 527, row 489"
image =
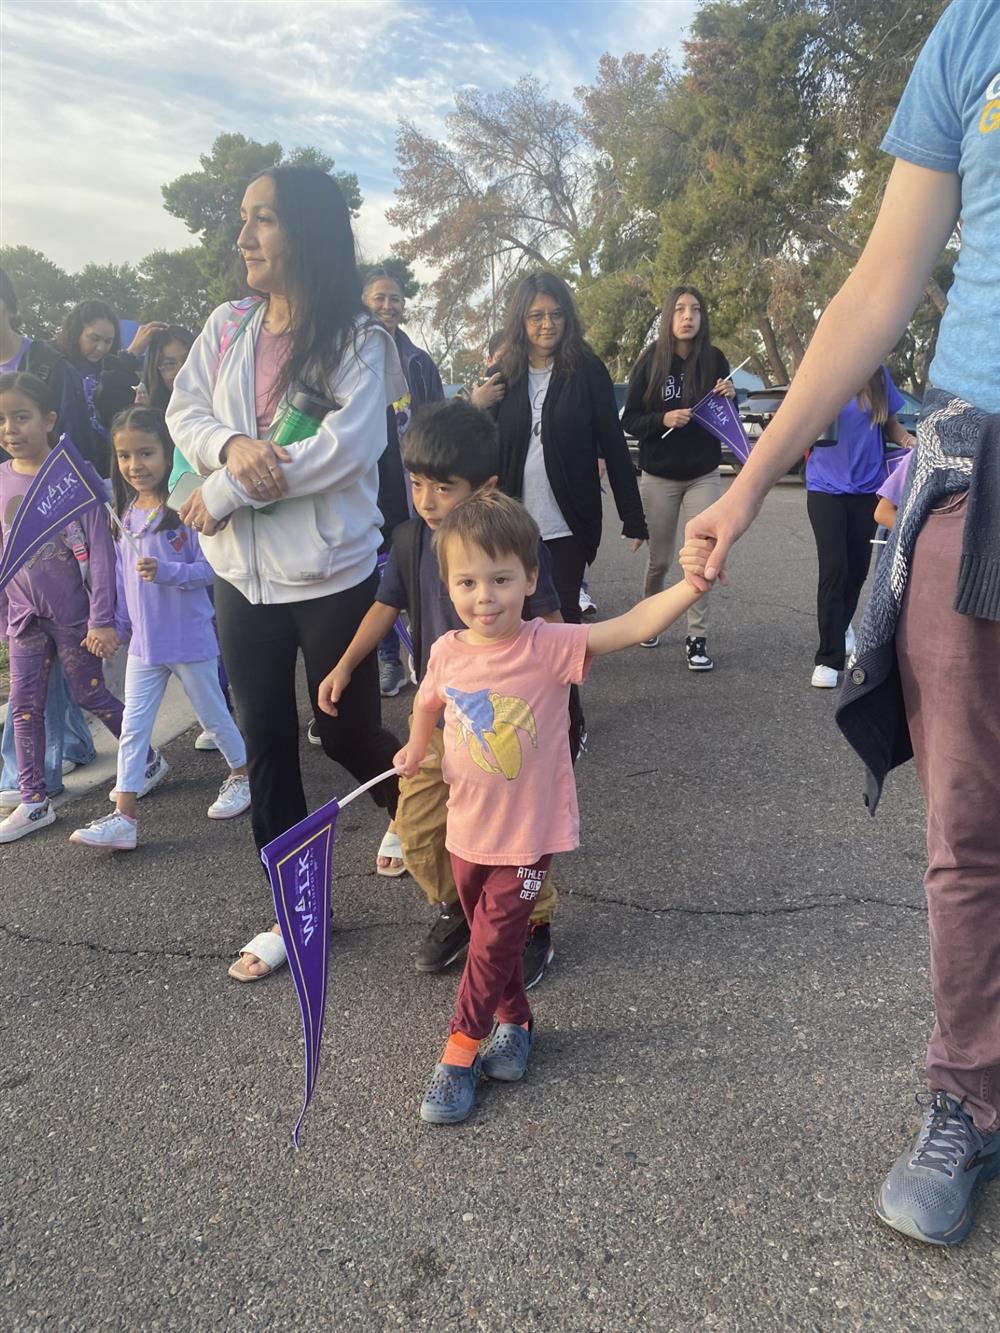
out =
column 48, row 364
column 579, row 426
column 689, row 451
column 120, row 373
column 425, row 386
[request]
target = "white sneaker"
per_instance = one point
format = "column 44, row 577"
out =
column 824, row 678
column 205, row 741
column 850, row 641
column 156, row 771
column 588, row 606
column 10, row 800
column 26, row 819
column 115, row 833
column 68, row 767
column 650, row 643
column 233, row 798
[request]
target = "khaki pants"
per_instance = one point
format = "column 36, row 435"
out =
column 420, row 822
column 663, row 501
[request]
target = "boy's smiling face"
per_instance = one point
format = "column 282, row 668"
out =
column 434, row 499
column 487, row 591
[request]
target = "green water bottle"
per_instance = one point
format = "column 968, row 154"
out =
column 296, row 420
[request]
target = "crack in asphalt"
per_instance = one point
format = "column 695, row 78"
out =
column 786, row 909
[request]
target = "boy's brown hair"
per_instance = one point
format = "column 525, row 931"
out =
column 496, row 524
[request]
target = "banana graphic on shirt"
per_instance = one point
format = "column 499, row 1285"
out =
column 490, row 723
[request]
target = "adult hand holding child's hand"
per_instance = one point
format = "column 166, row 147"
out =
column 101, row 642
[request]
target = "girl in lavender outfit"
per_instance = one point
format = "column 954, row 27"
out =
column 47, row 608
column 163, row 598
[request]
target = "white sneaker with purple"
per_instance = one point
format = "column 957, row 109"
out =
column 25, row 819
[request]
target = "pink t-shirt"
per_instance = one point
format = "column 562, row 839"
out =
column 269, row 356
column 506, row 741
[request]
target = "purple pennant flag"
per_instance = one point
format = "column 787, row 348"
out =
column 718, row 414
column 65, row 486
column 299, row 864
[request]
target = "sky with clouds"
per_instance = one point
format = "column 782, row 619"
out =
column 102, row 101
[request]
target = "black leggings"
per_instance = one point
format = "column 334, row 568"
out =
column 843, row 526
column 260, row 645
column 569, row 563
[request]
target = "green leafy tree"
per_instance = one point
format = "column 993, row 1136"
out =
column 45, row 292
column 208, row 200
column 174, row 288
column 117, row 284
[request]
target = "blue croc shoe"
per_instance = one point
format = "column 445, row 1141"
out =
column 505, row 1055
column 451, row 1094
column 928, row 1193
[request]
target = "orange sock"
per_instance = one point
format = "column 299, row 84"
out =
column 460, row 1050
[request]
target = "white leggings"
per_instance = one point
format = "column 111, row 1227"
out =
column 144, row 689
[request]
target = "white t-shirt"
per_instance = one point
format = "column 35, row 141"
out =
column 539, row 501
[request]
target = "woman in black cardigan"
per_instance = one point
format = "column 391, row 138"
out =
column 557, row 421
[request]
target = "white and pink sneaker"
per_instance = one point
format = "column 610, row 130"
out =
column 25, row 819
column 115, row 833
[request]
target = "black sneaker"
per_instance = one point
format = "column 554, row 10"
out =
column 538, row 953
column 698, row 658
column 445, row 942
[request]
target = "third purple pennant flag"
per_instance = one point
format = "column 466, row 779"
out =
column 719, row 415
column 65, row 486
column 299, row 865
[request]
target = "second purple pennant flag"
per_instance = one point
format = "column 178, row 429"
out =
column 718, row 414
column 65, row 486
column 299, row 864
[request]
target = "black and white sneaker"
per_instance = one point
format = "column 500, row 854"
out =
column 538, row 953
column 445, row 942
column 697, row 655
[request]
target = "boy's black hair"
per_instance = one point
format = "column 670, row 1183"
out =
column 452, row 439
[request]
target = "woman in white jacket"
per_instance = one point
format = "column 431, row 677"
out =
column 292, row 533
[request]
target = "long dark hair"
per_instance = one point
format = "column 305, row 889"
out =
column 571, row 349
column 156, row 390
column 150, row 422
column 324, row 287
column 87, row 312
column 874, row 398
column 699, row 366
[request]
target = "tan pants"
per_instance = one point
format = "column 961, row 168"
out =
column 663, row 501
column 420, row 825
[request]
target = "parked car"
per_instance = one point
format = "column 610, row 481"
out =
column 756, row 410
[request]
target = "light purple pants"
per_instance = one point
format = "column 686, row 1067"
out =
column 950, row 669
column 31, row 655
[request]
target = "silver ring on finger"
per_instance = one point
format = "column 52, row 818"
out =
column 260, row 483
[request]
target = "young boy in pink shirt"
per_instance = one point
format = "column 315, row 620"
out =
column 503, row 686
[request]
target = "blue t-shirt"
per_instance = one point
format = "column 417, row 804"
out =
column 949, row 120
column 437, row 615
column 855, row 465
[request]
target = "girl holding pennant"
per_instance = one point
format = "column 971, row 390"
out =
column 61, row 601
column 679, row 470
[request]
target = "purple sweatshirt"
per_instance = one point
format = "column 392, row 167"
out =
column 50, row 585
column 171, row 619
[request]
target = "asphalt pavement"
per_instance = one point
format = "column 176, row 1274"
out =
column 731, row 1040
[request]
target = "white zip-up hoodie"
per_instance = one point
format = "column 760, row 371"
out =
column 323, row 536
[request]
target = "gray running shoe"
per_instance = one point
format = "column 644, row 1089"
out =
column 928, row 1192
column 446, row 941
column 392, row 676
column 451, row 1094
column 505, row 1055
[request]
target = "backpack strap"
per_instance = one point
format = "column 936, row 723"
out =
column 233, row 329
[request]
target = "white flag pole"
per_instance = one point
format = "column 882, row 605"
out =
column 121, row 528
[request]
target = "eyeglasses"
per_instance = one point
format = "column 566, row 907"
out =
column 538, row 317
column 174, row 364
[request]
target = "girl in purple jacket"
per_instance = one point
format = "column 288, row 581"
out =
column 163, row 581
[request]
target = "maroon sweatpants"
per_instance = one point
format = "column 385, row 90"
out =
column 497, row 902
column 950, row 669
